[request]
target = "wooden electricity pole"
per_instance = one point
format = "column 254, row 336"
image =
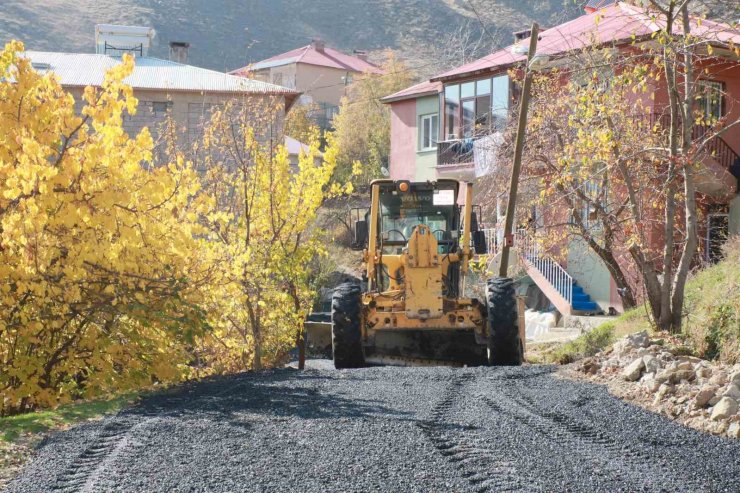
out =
column 518, row 149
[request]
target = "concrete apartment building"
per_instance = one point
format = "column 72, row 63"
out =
column 163, row 87
column 320, row 73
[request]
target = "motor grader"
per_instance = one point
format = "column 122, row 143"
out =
column 409, row 307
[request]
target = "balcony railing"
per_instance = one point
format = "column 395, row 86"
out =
column 455, row 152
column 716, row 146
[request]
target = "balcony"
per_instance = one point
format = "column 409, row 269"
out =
column 455, row 152
column 455, row 159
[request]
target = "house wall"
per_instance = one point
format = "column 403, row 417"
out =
column 189, row 110
column 426, row 161
column 323, row 84
column 720, row 70
column 403, row 140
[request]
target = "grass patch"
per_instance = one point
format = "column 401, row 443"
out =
column 14, row 427
column 712, row 308
column 583, row 346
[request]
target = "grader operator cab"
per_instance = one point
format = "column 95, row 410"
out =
column 410, row 307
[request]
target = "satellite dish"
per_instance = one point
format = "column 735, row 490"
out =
column 538, row 62
column 384, row 171
column 519, row 49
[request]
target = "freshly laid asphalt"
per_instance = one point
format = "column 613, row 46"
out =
column 385, row 430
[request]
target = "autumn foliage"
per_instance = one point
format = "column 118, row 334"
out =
column 118, row 271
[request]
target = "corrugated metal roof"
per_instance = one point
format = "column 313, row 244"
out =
column 327, row 57
column 421, row 89
column 83, row 69
column 616, row 23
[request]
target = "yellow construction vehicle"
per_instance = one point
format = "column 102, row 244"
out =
column 410, row 307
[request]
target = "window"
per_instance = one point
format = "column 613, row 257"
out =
column 452, row 112
column 500, row 102
column 474, row 108
column 428, row 131
column 277, row 78
column 160, row 107
column 709, row 96
column 401, row 212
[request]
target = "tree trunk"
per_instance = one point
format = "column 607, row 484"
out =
column 690, row 211
column 257, row 363
column 664, row 317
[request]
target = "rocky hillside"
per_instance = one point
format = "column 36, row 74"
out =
column 230, row 33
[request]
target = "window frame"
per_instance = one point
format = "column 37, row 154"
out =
column 487, row 97
column 433, row 136
column 703, row 102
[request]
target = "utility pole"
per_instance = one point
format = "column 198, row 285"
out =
column 518, row 150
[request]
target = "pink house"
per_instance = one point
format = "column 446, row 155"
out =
column 319, row 72
column 437, row 126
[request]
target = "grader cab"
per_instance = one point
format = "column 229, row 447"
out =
column 410, row 307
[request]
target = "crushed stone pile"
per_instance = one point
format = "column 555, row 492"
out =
column 702, row 394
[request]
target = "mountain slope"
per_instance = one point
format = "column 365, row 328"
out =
column 226, row 34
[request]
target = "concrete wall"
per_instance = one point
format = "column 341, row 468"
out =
column 323, row 84
column 590, row 273
column 426, row 161
column 403, row 140
column 284, row 75
column 189, row 110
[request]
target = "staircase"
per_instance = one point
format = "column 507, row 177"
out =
column 582, row 301
column 559, row 286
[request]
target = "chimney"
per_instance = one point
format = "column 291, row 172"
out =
column 361, row 54
column 523, row 34
column 318, row 45
column 179, row 51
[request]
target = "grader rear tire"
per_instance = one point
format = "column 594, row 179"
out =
column 346, row 337
column 505, row 346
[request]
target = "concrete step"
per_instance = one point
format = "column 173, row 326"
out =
column 584, row 322
column 585, row 306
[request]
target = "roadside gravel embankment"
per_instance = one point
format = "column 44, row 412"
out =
column 385, row 429
column 698, row 393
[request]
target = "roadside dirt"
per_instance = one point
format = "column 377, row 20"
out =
column 13, row 456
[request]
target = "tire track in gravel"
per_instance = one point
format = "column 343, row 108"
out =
column 594, row 445
column 82, row 473
column 480, row 466
column 85, row 473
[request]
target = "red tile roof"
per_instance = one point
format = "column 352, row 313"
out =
column 613, row 24
column 423, row 89
column 327, row 57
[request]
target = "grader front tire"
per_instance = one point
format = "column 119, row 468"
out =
column 346, row 336
column 505, row 346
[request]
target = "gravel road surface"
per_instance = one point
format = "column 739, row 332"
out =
column 384, row 429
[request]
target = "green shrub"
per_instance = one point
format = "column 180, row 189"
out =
column 584, row 345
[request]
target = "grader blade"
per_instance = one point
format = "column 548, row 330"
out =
column 420, row 347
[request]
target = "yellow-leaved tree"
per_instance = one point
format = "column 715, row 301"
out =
column 261, row 235
column 98, row 277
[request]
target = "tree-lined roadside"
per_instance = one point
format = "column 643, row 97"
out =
column 123, row 268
